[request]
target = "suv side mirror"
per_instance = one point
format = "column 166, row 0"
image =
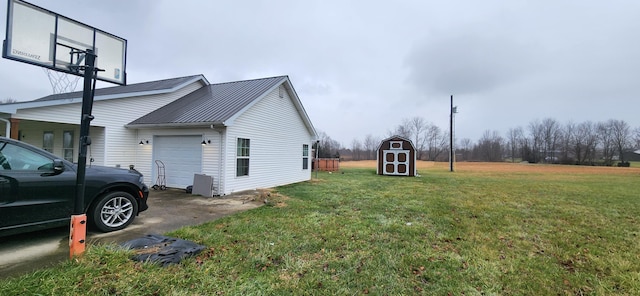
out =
column 58, row 166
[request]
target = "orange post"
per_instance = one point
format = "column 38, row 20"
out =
column 77, row 235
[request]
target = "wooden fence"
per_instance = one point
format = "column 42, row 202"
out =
column 327, row 164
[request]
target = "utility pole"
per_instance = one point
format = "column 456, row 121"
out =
column 452, row 155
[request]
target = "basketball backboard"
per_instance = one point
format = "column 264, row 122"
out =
column 40, row 37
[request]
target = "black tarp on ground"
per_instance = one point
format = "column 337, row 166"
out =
column 162, row 249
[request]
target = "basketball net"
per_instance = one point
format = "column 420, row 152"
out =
column 62, row 82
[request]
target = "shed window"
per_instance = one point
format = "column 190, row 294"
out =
column 242, row 157
column 305, row 157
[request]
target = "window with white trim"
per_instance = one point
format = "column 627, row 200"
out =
column 47, row 141
column 305, row 157
column 242, row 157
column 67, row 145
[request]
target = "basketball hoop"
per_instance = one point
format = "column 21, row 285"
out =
column 62, row 82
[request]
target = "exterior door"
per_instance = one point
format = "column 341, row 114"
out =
column 396, row 162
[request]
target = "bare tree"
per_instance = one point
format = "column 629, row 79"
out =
column 535, row 142
column 490, row 146
column 356, row 149
column 606, row 140
column 403, row 130
column 566, row 142
column 515, row 140
column 370, row 146
column 551, row 134
column 621, row 133
column 464, row 147
column 636, row 138
column 436, row 141
column 328, row 148
column 591, row 141
column 418, row 127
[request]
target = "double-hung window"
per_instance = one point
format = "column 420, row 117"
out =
column 305, row 157
column 242, row 157
column 47, row 141
column 67, row 145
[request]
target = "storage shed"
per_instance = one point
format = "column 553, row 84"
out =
column 396, row 156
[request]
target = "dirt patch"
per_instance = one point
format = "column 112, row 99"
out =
column 275, row 199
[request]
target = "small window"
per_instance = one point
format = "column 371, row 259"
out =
column 305, row 157
column 67, row 145
column 47, row 141
column 242, row 157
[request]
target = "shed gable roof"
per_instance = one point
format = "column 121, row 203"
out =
column 396, row 138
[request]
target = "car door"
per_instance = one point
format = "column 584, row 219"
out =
column 32, row 191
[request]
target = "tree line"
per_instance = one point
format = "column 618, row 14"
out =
column 587, row 143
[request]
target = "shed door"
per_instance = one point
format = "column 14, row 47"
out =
column 182, row 158
column 396, row 162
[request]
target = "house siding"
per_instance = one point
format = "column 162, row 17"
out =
column 277, row 133
column 32, row 132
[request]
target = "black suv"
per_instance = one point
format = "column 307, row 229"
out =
column 37, row 191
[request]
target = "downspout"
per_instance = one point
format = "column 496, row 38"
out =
column 220, row 166
column 8, row 127
column 220, row 158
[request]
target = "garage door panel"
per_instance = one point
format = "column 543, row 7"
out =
column 182, row 158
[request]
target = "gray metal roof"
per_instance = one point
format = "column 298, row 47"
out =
column 211, row 104
column 127, row 90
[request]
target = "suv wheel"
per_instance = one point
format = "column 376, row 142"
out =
column 114, row 211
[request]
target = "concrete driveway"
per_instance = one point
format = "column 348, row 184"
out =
column 168, row 210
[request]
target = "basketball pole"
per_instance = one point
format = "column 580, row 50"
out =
column 78, row 227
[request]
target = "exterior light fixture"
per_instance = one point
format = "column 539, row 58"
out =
column 143, row 142
column 204, row 143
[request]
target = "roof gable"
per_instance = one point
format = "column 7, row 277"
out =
column 219, row 104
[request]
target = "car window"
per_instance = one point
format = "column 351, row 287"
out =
column 14, row 157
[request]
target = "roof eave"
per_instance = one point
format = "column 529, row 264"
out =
column 13, row 108
column 175, row 125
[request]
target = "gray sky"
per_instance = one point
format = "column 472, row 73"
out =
column 360, row 67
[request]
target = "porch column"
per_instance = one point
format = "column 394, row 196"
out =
column 15, row 126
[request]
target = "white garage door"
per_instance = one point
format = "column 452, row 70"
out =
column 182, row 157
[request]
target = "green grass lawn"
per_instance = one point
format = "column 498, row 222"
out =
column 356, row 233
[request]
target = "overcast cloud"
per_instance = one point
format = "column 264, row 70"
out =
column 360, row 67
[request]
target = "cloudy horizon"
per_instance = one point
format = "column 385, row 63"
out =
column 362, row 67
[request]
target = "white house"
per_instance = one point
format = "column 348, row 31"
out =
column 245, row 134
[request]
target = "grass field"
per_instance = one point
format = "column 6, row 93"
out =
column 506, row 229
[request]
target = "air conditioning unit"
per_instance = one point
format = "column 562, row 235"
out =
column 203, row 185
